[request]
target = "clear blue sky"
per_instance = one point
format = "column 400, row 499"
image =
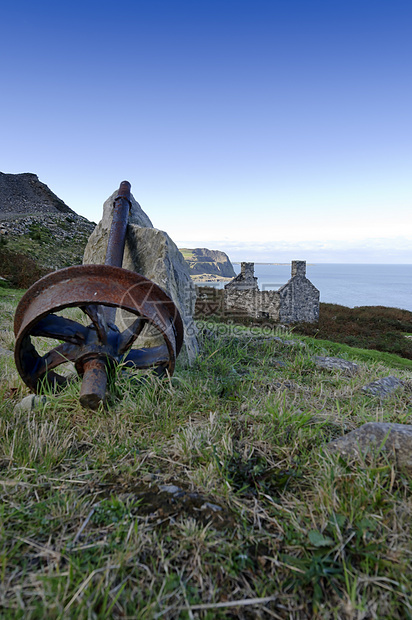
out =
column 273, row 130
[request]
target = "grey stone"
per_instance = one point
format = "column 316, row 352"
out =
column 383, row 387
column 252, row 302
column 279, row 363
column 209, row 506
column 29, row 403
column 394, row 440
column 336, row 363
column 136, row 215
column 292, row 343
column 95, row 251
column 153, row 254
column 170, row 488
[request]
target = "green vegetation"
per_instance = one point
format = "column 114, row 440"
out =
column 19, row 270
column 377, row 328
column 24, row 258
column 366, row 327
column 187, row 254
column 40, row 233
column 210, row 495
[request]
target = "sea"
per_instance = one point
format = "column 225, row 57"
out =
column 346, row 284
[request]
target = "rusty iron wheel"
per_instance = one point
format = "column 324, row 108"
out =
column 98, row 290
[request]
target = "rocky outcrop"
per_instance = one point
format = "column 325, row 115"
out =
column 23, row 194
column 51, row 241
column 153, row 254
column 204, row 262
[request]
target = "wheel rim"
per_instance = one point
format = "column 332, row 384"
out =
column 94, row 289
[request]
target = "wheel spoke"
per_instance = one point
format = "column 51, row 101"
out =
column 61, row 328
column 35, row 371
column 147, row 358
column 60, row 355
column 129, row 335
column 97, row 315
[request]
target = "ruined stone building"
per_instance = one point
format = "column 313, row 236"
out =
column 295, row 302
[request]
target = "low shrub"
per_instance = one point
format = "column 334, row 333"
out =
column 366, row 327
column 19, row 270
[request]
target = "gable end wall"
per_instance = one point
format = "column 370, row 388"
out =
column 299, row 301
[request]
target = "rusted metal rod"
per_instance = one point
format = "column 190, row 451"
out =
column 117, row 235
column 93, row 390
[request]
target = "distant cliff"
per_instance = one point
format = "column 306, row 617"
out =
column 210, row 264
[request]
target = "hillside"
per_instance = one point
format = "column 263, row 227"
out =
column 23, row 194
column 37, row 226
column 207, row 264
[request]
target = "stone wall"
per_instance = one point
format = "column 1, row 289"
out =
column 245, row 280
column 297, row 301
column 254, row 303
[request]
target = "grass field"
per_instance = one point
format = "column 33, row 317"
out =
column 209, row 495
column 378, row 328
column 187, row 254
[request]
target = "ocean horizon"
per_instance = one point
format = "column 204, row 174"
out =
column 347, row 284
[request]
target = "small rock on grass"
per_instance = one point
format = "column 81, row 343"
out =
column 336, row 363
column 28, row 403
column 289, row 343
column 394, row 440
column 170, row 488
column 383, row 387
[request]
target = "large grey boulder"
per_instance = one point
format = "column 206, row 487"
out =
column 153, row 254
column 395, row 440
